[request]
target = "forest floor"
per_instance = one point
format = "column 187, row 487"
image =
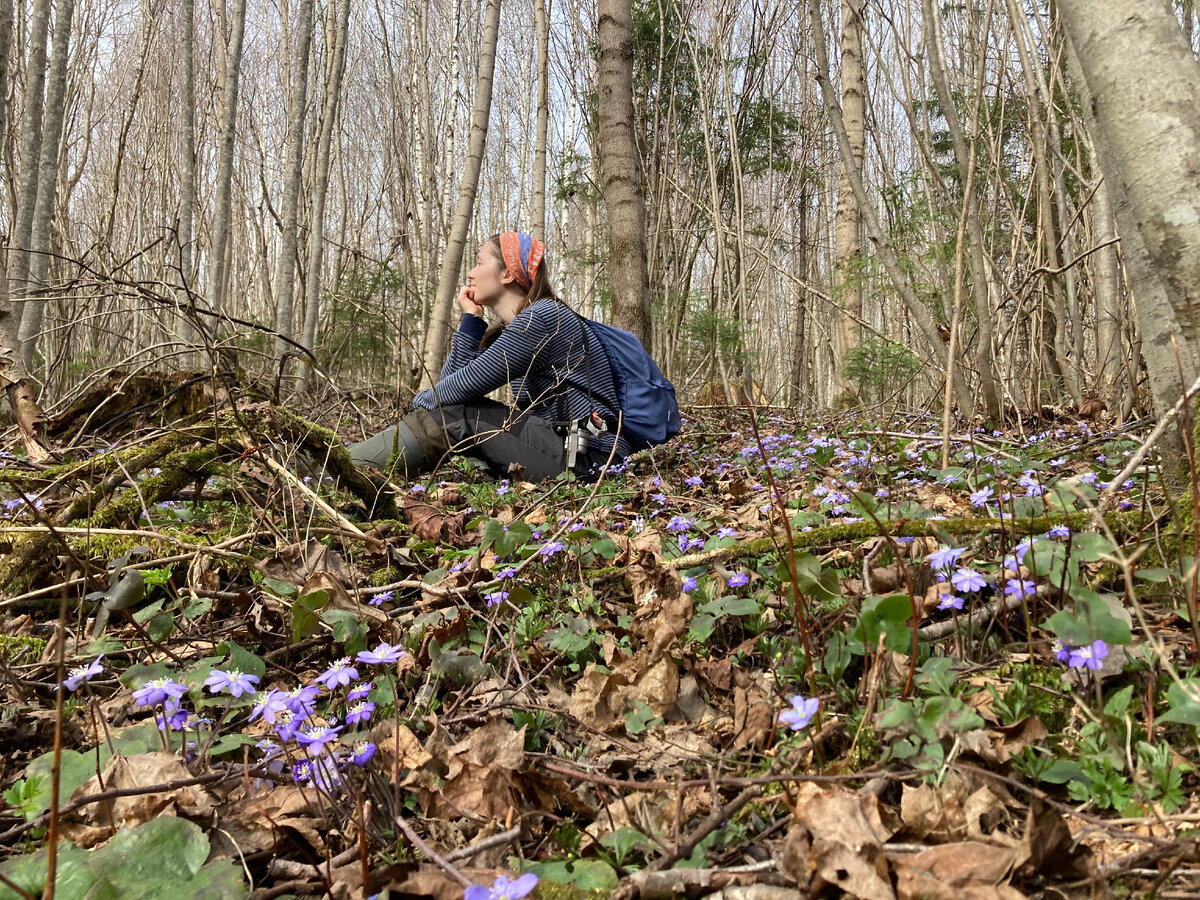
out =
column 774, row 660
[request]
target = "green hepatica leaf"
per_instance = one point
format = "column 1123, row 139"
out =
column 243, row 660
column 72, row 879
column 1184, row 700
column 162, row 858
column 585, row 874
column 731, row 606
column 75, row 769
column 1091, row 547
column 304, row 614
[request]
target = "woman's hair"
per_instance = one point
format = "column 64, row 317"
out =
column 539, row 289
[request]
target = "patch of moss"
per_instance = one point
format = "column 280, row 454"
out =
column 554, row 890
column 21, row 649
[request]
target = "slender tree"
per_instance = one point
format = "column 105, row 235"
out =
column 541, row 26
column 620, row 170
column 187, row 162
column 293, row 162
column 439, row 324
column 48, row 158
column 337, row 35
column 848, row 273
column 227, row 138
column 31, row 148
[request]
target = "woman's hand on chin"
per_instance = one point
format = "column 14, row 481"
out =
column 466, row 301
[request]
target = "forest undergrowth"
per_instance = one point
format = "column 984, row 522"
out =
column 775, row 658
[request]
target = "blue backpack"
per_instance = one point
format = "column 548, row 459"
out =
column 649, row 412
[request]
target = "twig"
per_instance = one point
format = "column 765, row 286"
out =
column 112, row 793
column 979, row 617
column 431, row 854
column 495, row 840
column 287, row 868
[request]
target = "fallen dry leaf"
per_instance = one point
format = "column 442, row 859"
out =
column 433, row 523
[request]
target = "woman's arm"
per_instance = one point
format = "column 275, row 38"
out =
column 519, row 351
column 464, row 344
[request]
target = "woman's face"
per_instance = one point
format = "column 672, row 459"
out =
column 488, row 277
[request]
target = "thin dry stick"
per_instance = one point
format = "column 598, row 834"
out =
column 431, row 854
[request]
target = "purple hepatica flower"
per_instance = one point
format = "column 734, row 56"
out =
column 270, row 705
column 1021, row 587
column 157, row 690
column 301, row 771
column 300, row 700
column 383, row 655
column 689, row 584
column 237, row 683
column 727, row 532
column 1089, row 656
column 378, row 599
column 968, row 580
column 341, row 672
column 173, row 716
column 1088, row 477
column 981, row 496
column 950, row 601
column 739, row 579
column 801, row 712
column 509, row 572
column 694, row 481
column 1062, row 652
column 1022, row 548
column 360, row 712
column 77, row 676
column 550, row 549
column 317, row 739
column 495, row 597
column 502, row 889
column 945, row 557
column 287, row 723
column 1059, row 531
column 359, row 692
column 363, row 751
column 678, row 523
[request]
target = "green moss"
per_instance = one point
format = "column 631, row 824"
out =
column 26, row 649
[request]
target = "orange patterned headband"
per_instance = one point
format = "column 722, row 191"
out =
column 522, row 256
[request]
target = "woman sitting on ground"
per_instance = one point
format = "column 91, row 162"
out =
column 558, row 375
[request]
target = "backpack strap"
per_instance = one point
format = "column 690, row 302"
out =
column 585, row 388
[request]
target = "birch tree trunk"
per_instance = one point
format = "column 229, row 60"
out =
column 1145, row 99
column 31, row 148
column 47, row 175
column 541, row 26
column 439, row 321
column 316, row 228
column 223, row 192
column 187, row 167
column 293, row 154
column 620, row 170
column 847, row 234
column 887, row 255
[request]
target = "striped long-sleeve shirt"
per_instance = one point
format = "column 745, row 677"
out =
column 541, row 355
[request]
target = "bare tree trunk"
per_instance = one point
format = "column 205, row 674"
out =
column 1109, row 353
column 222, row 202
column 293, row 153
column 1145, row 99
column 621, row 170
column 13, row 377
column 541, row 27
column 31, row 148
column 962, row 155
column 848, row 271
column 316, row 229
column 187, row 166
column 43, row 211
column 439, row 323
